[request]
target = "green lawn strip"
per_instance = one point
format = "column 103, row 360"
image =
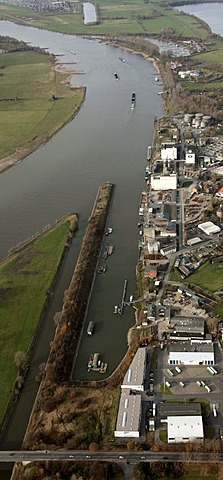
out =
column 24, row 281
column 34, row 117
column 201, row 86
column 214, row 56
column 208, row 276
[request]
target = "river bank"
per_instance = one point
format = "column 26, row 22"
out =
column 24, row 269
column 41, row 139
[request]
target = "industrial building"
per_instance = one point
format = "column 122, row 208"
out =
column 130, row 405
column 184, row 328
column 168, row 152
column 129, row 415
column 164, row 182
column 191, row 353
column 185, row 429
column 209, row 228
column 184, row 421
column 190, row 156
column 135, row 375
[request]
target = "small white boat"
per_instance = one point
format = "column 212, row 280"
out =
column 109, row 231
column 131, row 298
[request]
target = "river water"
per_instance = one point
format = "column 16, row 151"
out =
column 211, row 13
column 105, row 141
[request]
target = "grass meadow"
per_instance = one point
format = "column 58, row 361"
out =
column 24, row 280
column 115, row 18
column 208, row 276
column 34, row 117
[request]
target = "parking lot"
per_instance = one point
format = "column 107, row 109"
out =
column 189, row 375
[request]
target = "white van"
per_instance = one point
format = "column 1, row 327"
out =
column 178, row 370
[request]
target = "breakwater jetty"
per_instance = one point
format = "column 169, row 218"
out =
column 77, row 296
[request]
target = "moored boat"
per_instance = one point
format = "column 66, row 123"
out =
column 109, row 231
column 110, row 249
column 102, row 269
column 149, row 152
column 90, row 328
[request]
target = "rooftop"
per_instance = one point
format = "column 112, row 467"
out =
column 129, row 412
column 135, row 373
column 187, row 346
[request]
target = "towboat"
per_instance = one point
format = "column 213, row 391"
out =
column 133, row 100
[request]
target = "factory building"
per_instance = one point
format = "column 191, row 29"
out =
column 184, row 421
column 164, row 182
column 129, row 415
column 191, row 353
column 209, row 228
column 135, row 375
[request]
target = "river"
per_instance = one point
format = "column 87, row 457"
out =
column 211, row 13
column 105, row 141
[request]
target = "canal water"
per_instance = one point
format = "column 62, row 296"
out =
column 106, row 141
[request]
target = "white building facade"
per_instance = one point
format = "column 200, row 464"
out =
column 191, row 353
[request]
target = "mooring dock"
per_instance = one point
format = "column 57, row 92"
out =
column 122, row 304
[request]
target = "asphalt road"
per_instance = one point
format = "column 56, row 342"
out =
column 118, row 457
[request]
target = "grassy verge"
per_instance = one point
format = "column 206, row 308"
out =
column 33, row 117
column 25, row 279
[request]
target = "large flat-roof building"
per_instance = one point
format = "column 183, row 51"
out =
column 130, row 404
column 191, row 353
column 164, row 182
column 187, row 328
column 209, row 228
column 184, row 421
column 129, row 415
column 185, row 429
column 135, row 375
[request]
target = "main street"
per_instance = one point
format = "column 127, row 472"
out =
column 118, row 457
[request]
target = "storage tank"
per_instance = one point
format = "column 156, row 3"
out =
column 188, row 117
column 199, row 116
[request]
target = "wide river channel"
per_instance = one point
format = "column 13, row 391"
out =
column 105, row 141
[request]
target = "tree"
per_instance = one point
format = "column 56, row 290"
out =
column 19, row 359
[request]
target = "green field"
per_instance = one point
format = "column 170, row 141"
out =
column 114, row 17
column 208, row 276
column 24, row 281
column 30, row 120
